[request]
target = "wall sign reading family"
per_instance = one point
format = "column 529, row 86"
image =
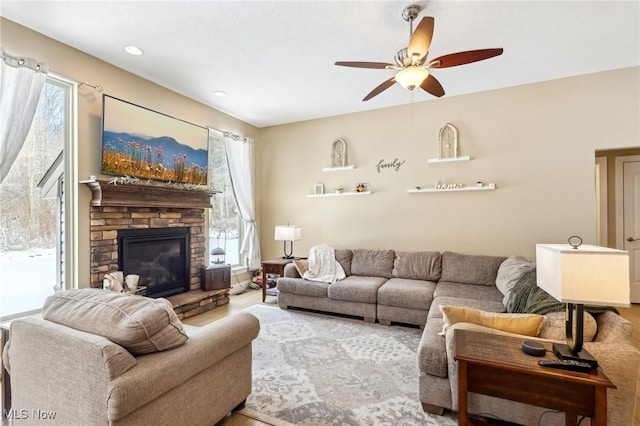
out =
column 395, row 165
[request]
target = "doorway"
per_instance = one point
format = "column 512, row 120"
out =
column 627, row 180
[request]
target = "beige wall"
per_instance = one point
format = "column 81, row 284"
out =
column 535, row 142
column 76, row 65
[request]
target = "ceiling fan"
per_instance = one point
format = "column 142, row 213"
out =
column 411, row 62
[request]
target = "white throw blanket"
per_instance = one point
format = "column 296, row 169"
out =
column 323, row 265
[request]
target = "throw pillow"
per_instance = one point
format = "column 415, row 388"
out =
column 525, row 324
column 510, row 272
column 139, row 324
column 302, row 266
column 553, row 327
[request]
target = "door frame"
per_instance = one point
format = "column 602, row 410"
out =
column 620, row 195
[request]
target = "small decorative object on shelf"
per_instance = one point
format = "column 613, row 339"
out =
column 362, row 187
column 338, row 157
column 448, row 138
column 339, row 153
column 318, row 189
column 448, row 146
column 339, row 190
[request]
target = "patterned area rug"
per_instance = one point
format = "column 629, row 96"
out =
column 314, row 369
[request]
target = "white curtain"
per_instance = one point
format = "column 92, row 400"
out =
column 241, row 161
column 21, row 82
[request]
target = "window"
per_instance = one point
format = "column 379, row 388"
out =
column 32, row 208
column 225, row 230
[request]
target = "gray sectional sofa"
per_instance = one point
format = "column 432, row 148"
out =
column 408, row 287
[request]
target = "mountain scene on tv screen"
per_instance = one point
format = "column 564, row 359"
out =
column 158, row 158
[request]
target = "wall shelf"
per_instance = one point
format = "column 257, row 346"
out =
column 449, row 160
column 487, row 187
column 339, row 194
column 336, row 169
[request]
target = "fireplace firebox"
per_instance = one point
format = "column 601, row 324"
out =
column 160, row 256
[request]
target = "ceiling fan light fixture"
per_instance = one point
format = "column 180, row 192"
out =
column 411, row 77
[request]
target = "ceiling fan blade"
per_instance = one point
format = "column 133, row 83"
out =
column 421, row 38
column 376, row 65
column 461, row 58
column 381, row 88
column 433, row 86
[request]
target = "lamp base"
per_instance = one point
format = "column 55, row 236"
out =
column 287, row 257
column 563, row 352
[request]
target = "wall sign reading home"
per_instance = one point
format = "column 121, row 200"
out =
column 142, row 143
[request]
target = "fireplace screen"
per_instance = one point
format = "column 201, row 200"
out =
column 159, row 255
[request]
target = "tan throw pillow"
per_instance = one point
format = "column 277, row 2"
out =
column 553, row 327
column 525, row 324
column 139, row 324
column 302, row 266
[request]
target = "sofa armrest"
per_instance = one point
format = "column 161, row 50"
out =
column 290, row 271
column 613, row 328
column 157, row 373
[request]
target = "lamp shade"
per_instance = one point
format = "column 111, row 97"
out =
column 587, row 275
column 288, row 233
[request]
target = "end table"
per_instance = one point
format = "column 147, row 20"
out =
column 273, row 266
column 494, row 365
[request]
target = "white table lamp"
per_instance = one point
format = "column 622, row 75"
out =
column 288, row 233
column 582, row 274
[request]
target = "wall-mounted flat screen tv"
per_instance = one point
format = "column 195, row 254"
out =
column 146, row 144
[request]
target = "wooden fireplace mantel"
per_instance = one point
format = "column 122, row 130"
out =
column 140, row 195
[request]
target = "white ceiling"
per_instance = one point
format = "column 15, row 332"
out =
column 275, row 59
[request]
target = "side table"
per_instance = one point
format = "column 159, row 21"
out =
column 273, row 266
column 494, row 365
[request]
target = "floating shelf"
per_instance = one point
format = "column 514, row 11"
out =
column 487, row 187
column 339, row 194
column 449, row 160
column 337, row 169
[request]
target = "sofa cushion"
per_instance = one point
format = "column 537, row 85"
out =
column 468, row 291
column 139, row 324
column 432, row 353
column 404, row 293
column 372, row 263
column 470, row 269
column 344, row 257
column 417, row 265
column 510, row 272
column 524, row 324
column 303, row 287
column 356, row 289
column 485, row 305
column 553, row 327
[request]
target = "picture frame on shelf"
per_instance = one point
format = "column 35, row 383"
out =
column 318, row 189
column 361, row 187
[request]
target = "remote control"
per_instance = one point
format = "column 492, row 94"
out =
column 565, row 364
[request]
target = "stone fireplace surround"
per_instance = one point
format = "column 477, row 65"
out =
column 131, row 206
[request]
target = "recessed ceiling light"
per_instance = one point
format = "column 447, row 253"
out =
column 220, row 93
column 132, row 50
